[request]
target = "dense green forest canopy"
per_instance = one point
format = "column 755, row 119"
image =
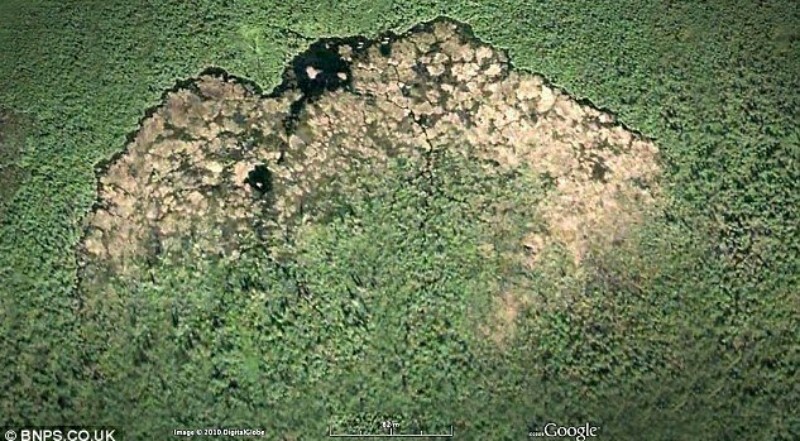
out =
column 687, row 329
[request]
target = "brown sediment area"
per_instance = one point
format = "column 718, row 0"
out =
column 219, row 159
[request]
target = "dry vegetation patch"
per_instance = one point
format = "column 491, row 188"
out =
column 218, row 159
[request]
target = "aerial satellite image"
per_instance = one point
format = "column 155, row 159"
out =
column 249, row 219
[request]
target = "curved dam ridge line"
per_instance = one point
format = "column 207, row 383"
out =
column 288, row 81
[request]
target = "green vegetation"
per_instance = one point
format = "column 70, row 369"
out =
column 348, row 320
column 11, row 140
column 688, row 332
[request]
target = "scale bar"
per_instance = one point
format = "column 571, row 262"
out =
column 391, row 435
column 386, row 435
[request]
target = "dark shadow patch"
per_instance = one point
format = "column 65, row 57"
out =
column 600, row 170
column 322, row 57
column 260, row 179
column 641, row 184
column 549, row 181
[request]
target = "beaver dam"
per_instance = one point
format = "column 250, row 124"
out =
column 219, row 160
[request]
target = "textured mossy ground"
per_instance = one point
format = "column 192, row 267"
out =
column 690, row 334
